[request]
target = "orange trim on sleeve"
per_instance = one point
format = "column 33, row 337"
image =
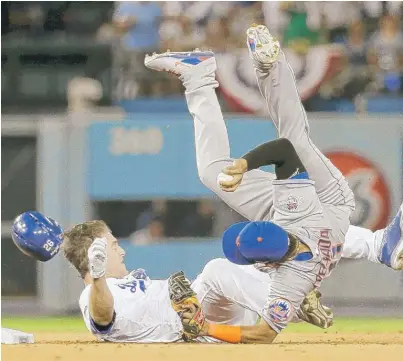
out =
column 226, row 333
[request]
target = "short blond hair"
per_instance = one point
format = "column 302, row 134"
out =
column 78, row 240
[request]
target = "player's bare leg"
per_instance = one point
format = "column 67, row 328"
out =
column 253, row 199
column 277, row 84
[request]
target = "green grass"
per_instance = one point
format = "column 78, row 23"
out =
column 44, row 324
column 352, row 325
column 341, row 325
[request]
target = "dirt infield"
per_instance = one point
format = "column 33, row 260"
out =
column 288, row 347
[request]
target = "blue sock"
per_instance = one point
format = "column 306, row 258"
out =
column 303, row 175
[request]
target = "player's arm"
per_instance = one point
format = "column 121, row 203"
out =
column 101, row 303
column 279, row 152
column 260, row 333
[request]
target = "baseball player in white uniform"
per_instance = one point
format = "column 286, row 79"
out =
column 142, row 311
column 311, row 207
column 118, row 306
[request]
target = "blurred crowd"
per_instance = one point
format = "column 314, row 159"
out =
column 367, row 33
column 153, row 224
column 150, row 222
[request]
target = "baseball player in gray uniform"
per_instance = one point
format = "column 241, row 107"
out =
column 309, row 203
column 253, row 197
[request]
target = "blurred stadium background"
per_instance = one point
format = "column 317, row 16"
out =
column 89, row 133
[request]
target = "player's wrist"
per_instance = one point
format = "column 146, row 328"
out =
column 242, row 164
column 100, row 281
column 97, row 275
column 205, row 329
column 227, row 333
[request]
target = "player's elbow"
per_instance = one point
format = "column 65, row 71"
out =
column 102, row 317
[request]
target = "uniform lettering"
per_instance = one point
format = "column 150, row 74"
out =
column 132, row 286
column 325, row 249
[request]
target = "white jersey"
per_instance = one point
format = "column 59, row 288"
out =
column 143, row 312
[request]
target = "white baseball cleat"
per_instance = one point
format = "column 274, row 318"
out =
column 263, row 47
column 178, row 63
column 392, row 244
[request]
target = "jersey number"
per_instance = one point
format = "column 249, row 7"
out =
column 48, row 245
column 132, row 286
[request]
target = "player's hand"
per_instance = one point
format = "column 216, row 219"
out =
column 238, row 168
column 312, row 311
column 184, row 302
column 193, row 320
column 97, row 258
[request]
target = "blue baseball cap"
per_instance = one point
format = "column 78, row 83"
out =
column 247, row 243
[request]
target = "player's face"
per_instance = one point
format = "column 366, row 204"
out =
column 115, row 266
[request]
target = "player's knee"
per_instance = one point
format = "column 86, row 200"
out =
column 214, row 269
column 216, row 264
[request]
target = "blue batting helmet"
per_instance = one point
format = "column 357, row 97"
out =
column 37, row 236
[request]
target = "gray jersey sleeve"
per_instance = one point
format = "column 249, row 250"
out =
column 288, row 290
column 293, row 280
